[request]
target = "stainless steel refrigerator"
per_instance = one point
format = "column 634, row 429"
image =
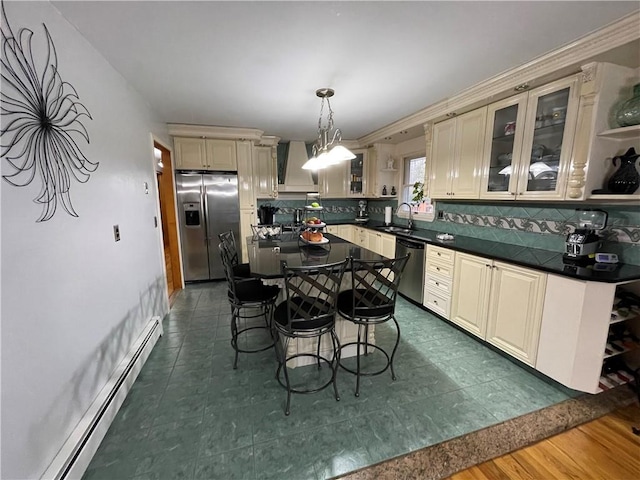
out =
column 207, row 206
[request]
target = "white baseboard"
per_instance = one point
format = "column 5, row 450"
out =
column 73, row 458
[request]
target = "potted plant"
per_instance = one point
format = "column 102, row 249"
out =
column 418, row 195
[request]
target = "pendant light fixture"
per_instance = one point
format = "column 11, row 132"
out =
column 328, row 149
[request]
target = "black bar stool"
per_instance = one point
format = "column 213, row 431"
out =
column 249, row 299
column 371, row 301
column 240, row 270
column 308, row 312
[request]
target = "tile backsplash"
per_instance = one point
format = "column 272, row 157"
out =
column 540, row 226
column 543, row 226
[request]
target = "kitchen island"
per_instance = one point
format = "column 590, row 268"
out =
column 265, row 260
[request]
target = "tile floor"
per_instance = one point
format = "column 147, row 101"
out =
column 189, row 415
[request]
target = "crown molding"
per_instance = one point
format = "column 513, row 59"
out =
column 561, row 62
column 205, row 131
column 267, row 141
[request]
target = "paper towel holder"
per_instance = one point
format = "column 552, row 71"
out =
column 388, row 216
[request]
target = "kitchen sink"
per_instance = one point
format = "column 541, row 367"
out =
column 397, row 230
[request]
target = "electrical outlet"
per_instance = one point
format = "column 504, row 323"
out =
column 440, row 214
column 116, row 232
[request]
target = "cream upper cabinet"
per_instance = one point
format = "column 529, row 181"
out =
column 442, row 154
column 190, row 153
column 471, row 288
column 264, row 172
column 205, row 154
column 503, row 147
column 549, row 131
column 456, row 156
column 333, row 181
column 221, row 155
column 515, row 310
column 246, row 195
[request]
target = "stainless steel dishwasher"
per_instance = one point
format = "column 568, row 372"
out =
column 412, row 281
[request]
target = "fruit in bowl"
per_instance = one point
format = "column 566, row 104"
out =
column 315, row 204
column 312, row 236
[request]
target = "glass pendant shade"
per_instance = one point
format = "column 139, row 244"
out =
column 341, row 154
column 327, row 149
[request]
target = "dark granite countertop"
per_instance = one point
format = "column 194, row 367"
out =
column 545, row 260
column 265, row 262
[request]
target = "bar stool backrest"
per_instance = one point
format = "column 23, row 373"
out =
column 227, row 262
column 312, row 294
column 375, row 286
column 229, row 244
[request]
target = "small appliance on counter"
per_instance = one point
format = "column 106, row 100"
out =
column 298, row 216
column 582, row 244
column 363, row 216
column 266, row 214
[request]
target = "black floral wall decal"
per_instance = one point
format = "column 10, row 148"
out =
column 41, row 122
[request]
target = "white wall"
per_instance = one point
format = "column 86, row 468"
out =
column 73, row 300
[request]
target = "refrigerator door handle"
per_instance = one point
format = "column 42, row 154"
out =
column 205, row 201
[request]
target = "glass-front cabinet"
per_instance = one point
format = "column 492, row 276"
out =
column 503, row 147
column 529, row 140
column 356, row 175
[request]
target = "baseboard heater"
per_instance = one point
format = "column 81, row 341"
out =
column 73, row 458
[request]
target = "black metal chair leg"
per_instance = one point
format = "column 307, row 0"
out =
column 336, row 354
column 318, row 352
column 234, row 336
column 286, row 377
column 358, row 361
column 393, row 373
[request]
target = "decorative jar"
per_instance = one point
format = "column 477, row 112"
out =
column 626, row 178
column 628, row 113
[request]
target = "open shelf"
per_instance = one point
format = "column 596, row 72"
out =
column 613, row 379
column 618, row 347
column 617, row 318
column 622, row 133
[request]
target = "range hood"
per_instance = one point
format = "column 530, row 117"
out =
column 295, row 178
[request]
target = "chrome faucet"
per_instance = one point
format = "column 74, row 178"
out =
column 410, row 224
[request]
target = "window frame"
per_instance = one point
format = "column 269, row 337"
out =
column 404, row 214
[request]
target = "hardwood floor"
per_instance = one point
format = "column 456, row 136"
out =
column 605, row 448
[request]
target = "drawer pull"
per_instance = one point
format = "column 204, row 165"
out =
column 435, row 302
column 439, row 254
column 437, row 284
column 438, row 268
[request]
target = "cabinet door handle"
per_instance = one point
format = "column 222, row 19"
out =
column 439, row 254
column 487, row 265
column 438, row 268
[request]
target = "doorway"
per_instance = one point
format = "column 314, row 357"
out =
column 168, row 220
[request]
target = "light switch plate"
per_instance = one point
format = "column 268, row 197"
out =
column 116, row 232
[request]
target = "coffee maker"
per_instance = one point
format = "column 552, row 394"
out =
column 363, row 216
column 582, row 244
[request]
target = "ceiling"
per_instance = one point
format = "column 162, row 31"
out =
column 258, row 64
